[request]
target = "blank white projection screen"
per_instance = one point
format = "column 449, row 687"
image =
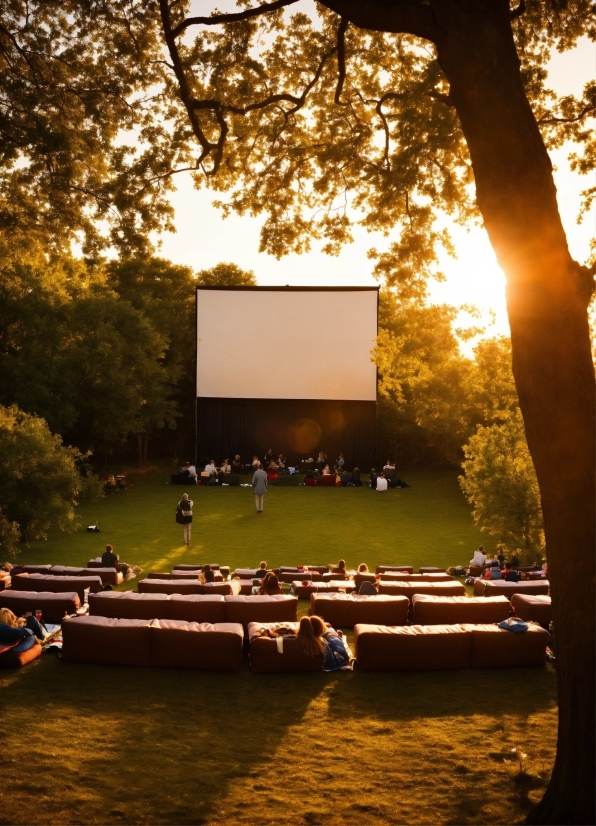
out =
column 278, row 344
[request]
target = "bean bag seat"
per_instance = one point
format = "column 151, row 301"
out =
column 128, row 605
column 500, row 588
column 11, row 658
column 347, row 610
column 265, row 656
column 412, row 647
column 107, row 640
column 389, row 576
column 36, row 569
column 327, row 481
column 432, row 570
column 429, row 610
column 494, row 647
column 273, row 608
column 170, row 586
column 200, row 608
column 476, row 570
column 201, row 646
column 53, row 606
column 57, row 584
column 536, row 607
column 381, row 569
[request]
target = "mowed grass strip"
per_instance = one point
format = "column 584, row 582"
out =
column 90, row 744
column 426, row 524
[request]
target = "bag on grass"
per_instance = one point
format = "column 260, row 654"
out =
column 518, row 626
column 179, row 517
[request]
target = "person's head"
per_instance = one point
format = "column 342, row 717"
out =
column 184, row 496
column 259, row 466
column 109, row 548
column 8, row 618
column 481, row 548
column 237, row 457
column 187, row 464
column 342, row 564
column 363, row 568
column 372, row 470
column 263, row 566
column 206, row 568
column 341, row 456
column 311, row 645
column 508, row 566
column 211, row 461
column 382, row 475
column 319, row 626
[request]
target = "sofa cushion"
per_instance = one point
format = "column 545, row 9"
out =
column 494, row 647
column 128, row 605
column 246, row 573
column 17, row 659
column 432, row 570
column 222, row 588
column 347, row 610
column 430, row 610
column 107, row 640
column 169, row 586
column 536, row 607
column 193, row 567
column 57, row 584
column 389, row 576
column 304, row 591
column 274, row 608
column 203, row 646
column 381, row 569
column 265, row 657
column 412, row 647
column 36, row 569
column 405, row 589
column 53, row 606
column 499, row 587
column 67, row 570
column 108, row 576
column 198, row 607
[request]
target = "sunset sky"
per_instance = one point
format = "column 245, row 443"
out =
column 204, row 239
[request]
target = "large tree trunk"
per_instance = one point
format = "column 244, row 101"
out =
column 547, row 298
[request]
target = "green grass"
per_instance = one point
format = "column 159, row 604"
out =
column 426, row 524
column 86, row 744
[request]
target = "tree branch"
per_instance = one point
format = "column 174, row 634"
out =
column 393, row 16
column 517, row 12
column 341, row 60
column 216, row 19
column 574, row 119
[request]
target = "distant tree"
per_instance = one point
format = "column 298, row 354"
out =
column 500, row 483
column 226, row 275
column 41, row 481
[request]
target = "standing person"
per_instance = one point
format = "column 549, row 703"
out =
column 185, row 506
column 259, row 485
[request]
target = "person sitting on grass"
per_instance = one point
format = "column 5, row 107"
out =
column 335, row 652
column 511, row 575
column 311, row 645
column 26, row 629
column 206, row 574
column 372, row 479
column 270, row 585
column 340, row 568
column 479, row 558
column 381, row 482
column 346, row 478
column 261, row 571
column 363, row 568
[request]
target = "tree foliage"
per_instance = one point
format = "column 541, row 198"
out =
column 41, row 481
column 226, row 275
column 500, row 483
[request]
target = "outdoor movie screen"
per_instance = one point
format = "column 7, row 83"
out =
column 286, row 343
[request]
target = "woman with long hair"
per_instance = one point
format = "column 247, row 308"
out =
column 206, row 574
column 270, row 585
column 311, row 645
column 335, row 652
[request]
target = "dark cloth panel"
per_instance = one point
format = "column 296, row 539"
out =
column 299, row 428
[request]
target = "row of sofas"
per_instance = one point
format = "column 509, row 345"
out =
column 52, row 605
column 499, row 587
column 108, row 576
column 57, row 584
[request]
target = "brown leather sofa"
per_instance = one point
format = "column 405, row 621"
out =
column 360, row 578
column 12, row 659
column 304, row 591
column 177, row 575
column 501, row 588
column 57, row 584
column 128, row 605
column 347, row 610
column 36, row 569
column 382, row 569
column 536, row 607
column 53, row 606
column 432, row 570
column 265, row 657
column 274, row 608
column 434, row 647
column 405, row 589
column 98, row 563
column 182, row 586
column 223, row 569
column 429, row 610
column 162, row 643
column 389, row 576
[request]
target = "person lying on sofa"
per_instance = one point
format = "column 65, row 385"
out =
column 13, row 629
column 335, row 651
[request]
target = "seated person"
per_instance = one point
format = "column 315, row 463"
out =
column 211, row 470
column 340, row 461
column 111, row 560
column 270, row 585
column 479, row 558
column 335, row 652
column 225, row 467
column 311, row 645
column 372, row 479
column 389, row 470
column 363, row 568
column 192, row 473
column 381, row 482
column 236, row 464
column 326, row 471
column 262, row 570
column 340, row 568
column 511, row 575
column 255, row 462
column 356, row 481
column 206, row 574
column 26, row 629
column 346, row 478
column 269, row 457
column 281, row 462
column 369, row 588
column 514, row 561
column 500, row 556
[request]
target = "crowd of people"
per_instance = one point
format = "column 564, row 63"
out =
column 497, row 567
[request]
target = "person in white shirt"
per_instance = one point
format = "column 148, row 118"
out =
column 212, row 471
column 192, row 472
column 479, row 558
column 381, row 482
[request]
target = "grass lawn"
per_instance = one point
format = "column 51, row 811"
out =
column 92, row 744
